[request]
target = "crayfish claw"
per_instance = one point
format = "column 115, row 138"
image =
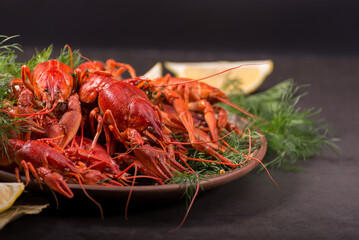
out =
column 55, row 182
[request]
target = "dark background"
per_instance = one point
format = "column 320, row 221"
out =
column 257, row 25
column 313, row 42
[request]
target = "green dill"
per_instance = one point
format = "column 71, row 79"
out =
column 177, row 137
column 292, row 133
column 8, row 66
column 187, row 181
column 240, row 144
column 39, row 57
column 45, row 55
column 9, row 47
column 104, row 180
column 8, row 70
column 204, row 170
column 8, row 125
column 65, row 57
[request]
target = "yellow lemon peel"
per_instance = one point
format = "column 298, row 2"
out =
column 249, row 76
column 9, row 192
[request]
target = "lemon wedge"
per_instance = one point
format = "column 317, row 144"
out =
column 154, row 72
column 9, row 192
column 248, row 77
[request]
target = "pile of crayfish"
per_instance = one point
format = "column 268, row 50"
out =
column 90, row 125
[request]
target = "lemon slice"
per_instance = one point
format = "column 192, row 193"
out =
column 154, row 72
column 9, row 192
column 248, row 77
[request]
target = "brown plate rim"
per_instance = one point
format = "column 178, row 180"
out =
column 153, row 191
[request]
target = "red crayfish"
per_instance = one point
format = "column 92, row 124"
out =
column 141, row 120
column 126, row 112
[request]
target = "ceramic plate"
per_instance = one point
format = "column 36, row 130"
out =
column 152, row 192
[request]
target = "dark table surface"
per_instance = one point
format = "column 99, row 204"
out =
column 321, row 202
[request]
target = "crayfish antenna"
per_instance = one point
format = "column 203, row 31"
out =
column 192, row 201
column 189, row 207
column 56, row 200
column 131, row 190
column 91, row 198
column 239, row 108
column 72, row 61
column 90, row 61
column 203, row 78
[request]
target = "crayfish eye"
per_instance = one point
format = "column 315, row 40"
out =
column 58, row 91
column 46, row 89
column 150, row 129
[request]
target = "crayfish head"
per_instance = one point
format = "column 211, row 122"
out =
column 51, row 96
column 53, row 82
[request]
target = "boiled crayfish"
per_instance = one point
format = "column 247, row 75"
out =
column 43, row 161
column 139, row 117
column 53, row 86
column 149, row 126
column 125, row 111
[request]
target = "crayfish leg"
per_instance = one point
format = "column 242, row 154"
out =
column 207, row 109
column 182, row 111
column 26, row 72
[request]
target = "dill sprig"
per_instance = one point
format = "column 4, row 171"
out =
column 39, row 57
column 188, row 181
column 292, row 133
column 8, row 65
column 8, row 125
column 8, row 71
column 204, row 170
column 238, row 142
column 9, row 47
column 9, row 68
column 65, row 57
